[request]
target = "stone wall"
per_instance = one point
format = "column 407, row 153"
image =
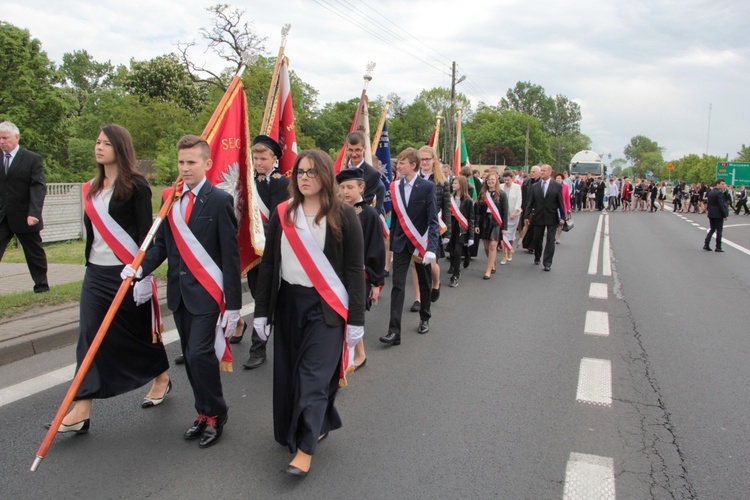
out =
column 63, row 212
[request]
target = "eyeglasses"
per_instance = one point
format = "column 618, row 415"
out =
column 311, row 173
column 425, row 159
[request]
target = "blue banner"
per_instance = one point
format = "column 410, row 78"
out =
column 383, row 159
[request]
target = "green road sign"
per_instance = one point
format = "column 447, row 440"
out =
column 734, row 173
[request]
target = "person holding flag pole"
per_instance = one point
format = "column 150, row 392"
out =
column 492, row 219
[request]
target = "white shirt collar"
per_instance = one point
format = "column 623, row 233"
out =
column 196, row 189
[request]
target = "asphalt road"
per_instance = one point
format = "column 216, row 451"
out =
column 498, row 400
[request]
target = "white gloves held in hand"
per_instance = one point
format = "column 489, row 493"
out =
column 353, row 335
column 260, row 325
column 143, row 290
column 129, row 272
column 229, row 321
column 429, row 258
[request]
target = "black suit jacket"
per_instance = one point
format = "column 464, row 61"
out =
column 346, row 257
column 213, row 223
column 374, row 188
column 22, row 192
column 545, row 210
column 133, row 214
column 717, row 204
column 273, row 190
column 422, row 210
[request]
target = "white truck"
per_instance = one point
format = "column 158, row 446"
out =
column 587, row 162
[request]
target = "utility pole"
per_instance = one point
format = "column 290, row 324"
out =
column 450, row 141
column 708, row 133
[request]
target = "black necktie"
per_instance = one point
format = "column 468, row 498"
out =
column 7, row 162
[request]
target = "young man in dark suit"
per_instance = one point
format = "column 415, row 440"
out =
column 355, row 155
column 420, row 210
column 22, row 191
column 546, row 209
column 209, row 215
column 718, row 212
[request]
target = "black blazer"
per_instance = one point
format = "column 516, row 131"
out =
column 466, row 206
column 545, row 210
column 273, row 190
column 133, row 214
column 374, row 188
column 374, row 243
column 443, row 196
column 422, row 210
column 22, row 192
column 502, row 206
column 346, row 257
column 717, row 204
column 213, row 223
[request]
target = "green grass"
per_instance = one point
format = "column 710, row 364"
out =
column 66, row 252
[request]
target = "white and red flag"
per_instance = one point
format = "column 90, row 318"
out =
column 282, row 126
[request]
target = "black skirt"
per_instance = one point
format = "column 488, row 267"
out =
column 127, row 358
column 489, row 228
column 306, row 358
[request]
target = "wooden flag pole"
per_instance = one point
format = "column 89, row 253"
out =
column 381, row 124
column 457, row 153
column 274, row 81
column 438, row 118
column 341, row 158
column 125, row 286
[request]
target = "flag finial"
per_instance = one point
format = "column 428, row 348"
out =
column 370, row 67
column 249, row 57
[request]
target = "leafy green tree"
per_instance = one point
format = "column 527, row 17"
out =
column 165, row 79
column 491, row 126
column 644, row 154
column 743, row 154
column 565, row 146
column 618, row 165
column 30, row 96
column 83, row 75
column 413, row 128
column 528, row 99
column 694, row 168
column 81, row 164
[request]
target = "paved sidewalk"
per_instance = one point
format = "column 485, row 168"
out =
column 15, row 277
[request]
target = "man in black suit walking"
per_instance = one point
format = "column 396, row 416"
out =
column 546, row 209
column 718, row 212
column 22, row 192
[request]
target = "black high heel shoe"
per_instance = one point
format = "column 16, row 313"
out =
column 236, row 340
column 151, row 402
column 81, row 427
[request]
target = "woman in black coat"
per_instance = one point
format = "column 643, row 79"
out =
column 487, row 228
column 462, row 232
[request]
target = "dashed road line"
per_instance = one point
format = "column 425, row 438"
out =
column 597, row 323
column 598, row 291
column 595, row 382
column 589, row 477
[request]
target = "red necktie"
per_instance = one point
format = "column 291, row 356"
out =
column 189, row 207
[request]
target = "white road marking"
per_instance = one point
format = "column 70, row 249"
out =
column 594, row 260
column 595, row 382
column 696, row 224
column 65, row 374
column 597, row 323
column 606, row 257
column 598, row 291
column 589, row 477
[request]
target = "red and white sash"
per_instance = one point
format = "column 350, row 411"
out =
column 506, row 243
column 121, row 244
column 399, row 206
column 384, row 224
column 493, row 208
column 265, row 213
column 319, row 271
column 456, row 211
column 443, row 226
column 205, row 270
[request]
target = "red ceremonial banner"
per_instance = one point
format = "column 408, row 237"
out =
column 228, row 135
column 282, row 122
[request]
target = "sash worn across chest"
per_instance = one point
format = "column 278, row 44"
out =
column 493, row 208
column 456, row 211
column 399, row 206
column 265, row 213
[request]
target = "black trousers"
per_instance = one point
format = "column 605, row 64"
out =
column 257, row 346
column 457, row 249
column 549, row 247
column 717, row 226
column 36, row 259
column 197, row 333
column 740, row 205
column 399, row 271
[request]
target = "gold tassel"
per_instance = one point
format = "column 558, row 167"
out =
column 154, row 338
column 351, row 369
column 343, row 382
column 226, row 366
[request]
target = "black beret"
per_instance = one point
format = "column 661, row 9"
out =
column 269, row 143
column 350, row 174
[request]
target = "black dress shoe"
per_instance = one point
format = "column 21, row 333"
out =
column 41, row 289
column 435, row 294
column 424, row 327
column 536, row 262
column 254, row 361
column 295, row 471
column 415, row 306
column 179, row 360
column 718, row 250
column 387, row 273
column 81, row 427
column 151, row 402
column 706, row 247
column 236, row 340
column 392, row 338
column 196, row 431
column 356, row 367
column 214, row 427
column 546, row 268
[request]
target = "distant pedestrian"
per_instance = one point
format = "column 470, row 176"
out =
column 22, row 191
column 718, row 212
column 741, row 201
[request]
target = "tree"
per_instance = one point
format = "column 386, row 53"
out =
column 229, row 37
column 30, row 96
column 528, row 99
column 85, row 76
column 618, row 166
column 743, row 154
column 165, row 79
column 644, row 154
column 413, row 128
column 565, row 146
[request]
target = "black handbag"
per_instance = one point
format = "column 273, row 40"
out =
column 568, row 225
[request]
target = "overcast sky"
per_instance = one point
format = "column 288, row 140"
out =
column 648, row 68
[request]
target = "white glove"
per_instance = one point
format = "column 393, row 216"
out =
column 261, row 328
column 429, row 258
column 353, row 335
column 143, row 290
column 471, row 243
column 229, row 321
column 129, row 272
column 446, row 241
